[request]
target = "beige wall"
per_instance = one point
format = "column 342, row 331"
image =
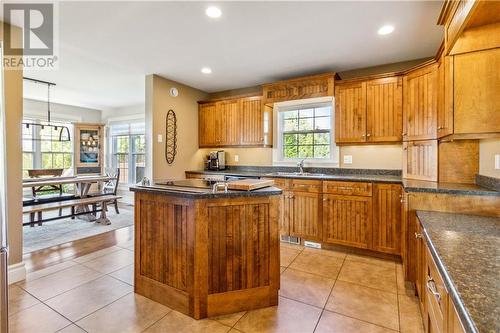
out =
column 185, row 106
column 487, row 151
column 13, row 92
column 247, row 156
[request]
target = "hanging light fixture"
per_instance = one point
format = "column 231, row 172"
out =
column 63, row 131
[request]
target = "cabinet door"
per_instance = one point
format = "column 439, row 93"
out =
column 384, row 109
column 350, row 112
column 420, row 90
column 420, row 160
column 421, row 265
column 252, row 122
column 228, row 122
column 477, row 92
column 347, row 220
column 207, row 136
column 387, row 218
column 306, row 220
column 454, row 323
column 445, row 97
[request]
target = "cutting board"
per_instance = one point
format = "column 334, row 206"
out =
column 249, row 184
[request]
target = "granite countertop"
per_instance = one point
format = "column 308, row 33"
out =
column 198, row 193
column 361, row 175
column 466, row 249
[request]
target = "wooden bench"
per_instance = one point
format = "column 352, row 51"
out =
column 39, row 208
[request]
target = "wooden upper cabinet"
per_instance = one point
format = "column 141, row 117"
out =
column 387, row 214
column 299, row 88
column 420, row 101
column 420, row 160
column 207, row 136
column 252, row 121
column 384, row 109
column 445, row 97
column 350, row 112
column 228, row 122
column 347, row 220
column 476, row 92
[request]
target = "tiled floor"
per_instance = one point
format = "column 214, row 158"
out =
column 321, row 291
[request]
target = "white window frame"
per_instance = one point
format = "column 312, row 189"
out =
column 278, row 158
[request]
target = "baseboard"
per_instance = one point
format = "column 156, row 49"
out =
column 17, row 272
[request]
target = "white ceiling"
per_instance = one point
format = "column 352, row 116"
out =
column 107, row 48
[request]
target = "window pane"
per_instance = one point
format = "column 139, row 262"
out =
column 305, row 151
column 122, row 144
column 56, row 146
column 323, row 123
column 290, row 152
column 306, row 124
column 27, row 145
column 289, row 139
column 66, row 146
column 46, row 161
column 321, row 138
column 139, row 144
column 306, row 139
column 290, row 114
column 27, row 161
column 290, row 125
column 321, row 151
column 306, row 113
column 324, row 111
column 68, row 161
column 58, row 161
column 46, row 146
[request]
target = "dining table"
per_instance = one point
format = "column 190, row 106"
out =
column 82, row 183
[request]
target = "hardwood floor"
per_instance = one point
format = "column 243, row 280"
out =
column 47, row 257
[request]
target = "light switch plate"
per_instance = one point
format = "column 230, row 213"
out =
column 160, row 138
column 236, row 158
column 497, row 161
column 347, row 159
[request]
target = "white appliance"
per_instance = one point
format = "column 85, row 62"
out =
column 4, row 287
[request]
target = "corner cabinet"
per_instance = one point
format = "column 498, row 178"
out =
column 89, row 140
column 420, row 160
column 239, row 122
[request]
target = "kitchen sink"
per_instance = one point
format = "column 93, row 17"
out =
column 292, row 174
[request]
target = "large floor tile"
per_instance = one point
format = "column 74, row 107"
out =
column 230, row 319
column 371, row 260
column 96, row 254
column 125, row 274
column 325, row 252
column 409, row 315
column 49, row 270
column 379, row 277
column 89, row 297
column 364, row 303
column 305, row 287
column 176, row 322
column 71, row 329
column 336, row 323
column 327, row 266
column 401, row 281
column 19, row 299
column 62, row 281
column 38, row 318
column 127, row 245
column 131, row 313
column 287, row 255
column 290, row 317
column 291, row 246
column 112, row 261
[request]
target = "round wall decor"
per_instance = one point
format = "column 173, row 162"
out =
column 171, row 137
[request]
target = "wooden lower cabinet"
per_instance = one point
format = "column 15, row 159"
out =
column 454, row 323
column 305, row 221
column 387, row 214
column 347, row 220
column 421, row 266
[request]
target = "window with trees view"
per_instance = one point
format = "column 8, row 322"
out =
column 42, row 150
column 306, row 133
column 128, row 151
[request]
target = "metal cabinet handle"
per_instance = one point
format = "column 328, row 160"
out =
column 431, row 285
column 346, row 188
column 440, row 128
column 418, row 235
column 368, row 135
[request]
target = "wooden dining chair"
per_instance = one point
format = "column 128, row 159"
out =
column 111, row 187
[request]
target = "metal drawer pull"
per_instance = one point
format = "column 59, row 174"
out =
column 431, row 285
column 417, row 235
column 345, row 188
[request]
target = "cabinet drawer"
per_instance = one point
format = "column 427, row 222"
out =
column 304, row 185
column 281, row 183
column 436, row 294
column 348, row 188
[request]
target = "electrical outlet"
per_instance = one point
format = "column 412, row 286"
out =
column 347, row 159
column 160, row 138
column 236, row 158
column 497, row 161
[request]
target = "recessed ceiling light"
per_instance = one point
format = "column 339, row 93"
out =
column 213, row 12
column 206, row 70
column 385, row 30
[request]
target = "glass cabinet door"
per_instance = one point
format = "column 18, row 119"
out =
column 89, row 146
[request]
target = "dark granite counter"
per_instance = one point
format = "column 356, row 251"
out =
column 199, row 193
column 356, row 175
column 466, row 249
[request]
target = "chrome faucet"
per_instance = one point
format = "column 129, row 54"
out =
column 300, row 165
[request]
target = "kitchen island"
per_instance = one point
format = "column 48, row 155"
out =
column 207, row 253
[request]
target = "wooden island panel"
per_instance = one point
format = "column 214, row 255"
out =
column 207, row 257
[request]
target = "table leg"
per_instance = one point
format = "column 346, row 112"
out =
column 83, row 189
column 103, row 219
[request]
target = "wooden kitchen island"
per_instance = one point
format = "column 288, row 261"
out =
column 207, row 254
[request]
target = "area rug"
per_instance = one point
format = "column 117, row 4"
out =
column 67, row 230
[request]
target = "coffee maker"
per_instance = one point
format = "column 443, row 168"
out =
column 217, row 160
